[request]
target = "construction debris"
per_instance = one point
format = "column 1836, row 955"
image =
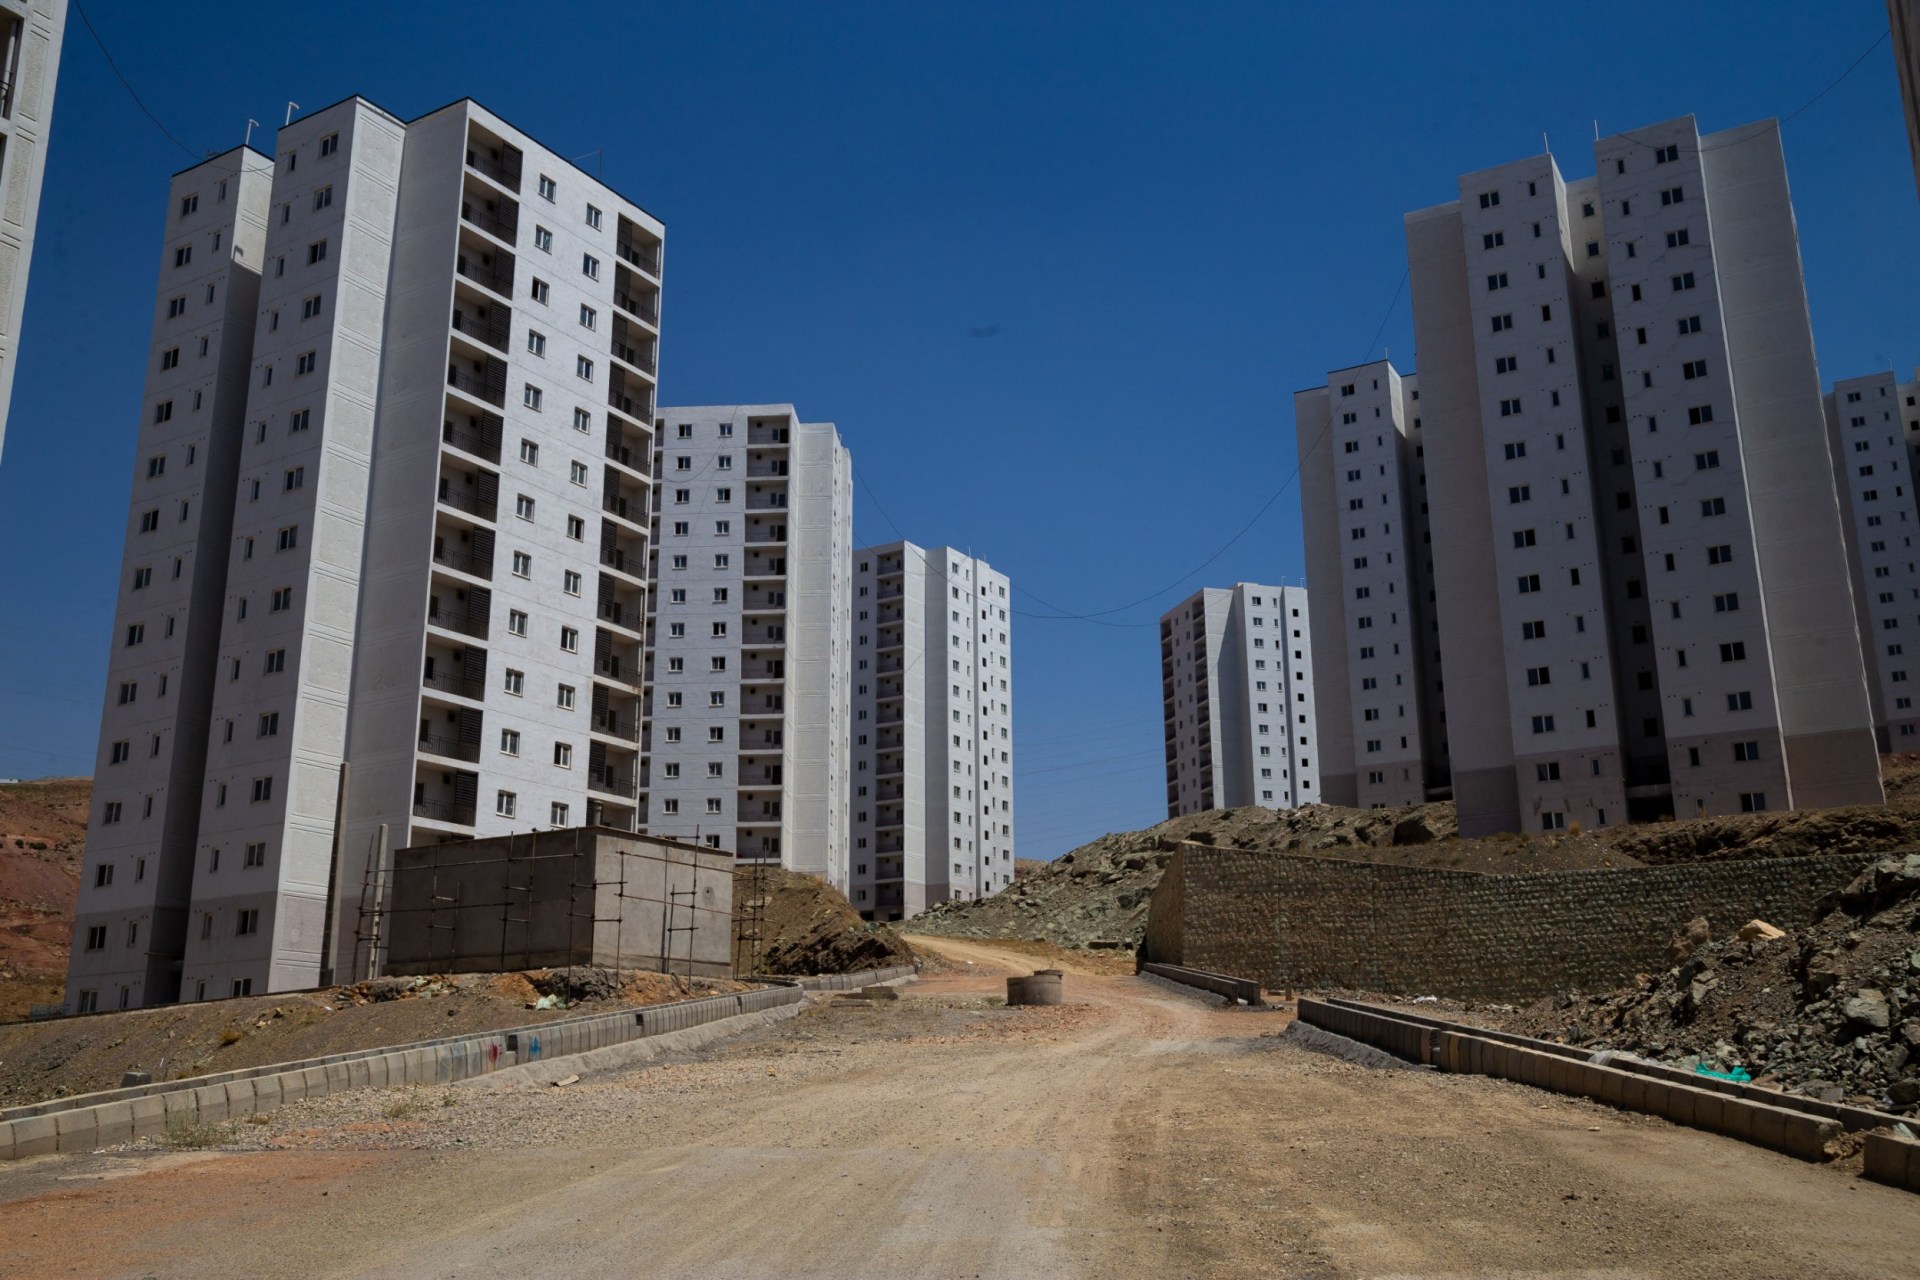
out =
column 1832, row 1010
column 806, row 926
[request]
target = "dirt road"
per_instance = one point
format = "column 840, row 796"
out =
column 1137, row 1133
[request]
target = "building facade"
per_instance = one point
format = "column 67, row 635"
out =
column 1638, row 557
column 932, row 773
column 1873, row 428
column 1237, row 687
column 421, row 359
column 748, row 690
column 31, row 32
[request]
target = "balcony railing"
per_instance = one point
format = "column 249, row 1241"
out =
column 629, row 616
column 648, row 261
column 483, row 162
column 615, row 669
column 605, row 778
column 472, row 503
column 633, row 509
column 632, row 355
column 472, row 442
column 490, row 223
column 632, row 564
column 640, row 308
column 497, row 275
column 465, row 624
column 632, row 406
column 454, row 682
column 464, row 561
column 482, row 329
column 475, row 385
column 451, row 748
column 444, row 811
column 626, row 728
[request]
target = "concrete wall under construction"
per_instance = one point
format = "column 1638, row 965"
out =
column 575, row 896
column 1294, row 922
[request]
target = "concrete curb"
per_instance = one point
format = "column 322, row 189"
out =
column 1220, row 984
column 633, row 1052
column 854, row 981
column 1893, row 1160
column 87, row 1121
column 1464, row 1050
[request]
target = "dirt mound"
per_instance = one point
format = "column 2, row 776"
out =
column 43, row 831
column 1832, row 1010
column 807, row 926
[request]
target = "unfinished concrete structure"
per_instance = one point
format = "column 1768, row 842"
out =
column 584, row 896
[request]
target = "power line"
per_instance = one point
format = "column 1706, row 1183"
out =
column 127, row 85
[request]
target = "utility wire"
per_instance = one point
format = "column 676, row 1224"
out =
column 127, row 85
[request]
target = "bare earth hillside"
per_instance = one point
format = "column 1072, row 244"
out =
column 43, row 829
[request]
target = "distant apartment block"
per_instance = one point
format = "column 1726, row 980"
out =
column 30, row 36
column 1237, row 681
column 1873, row 424
column 1382, row 736
column 748, row 696
column 1639, row 571
column 932, row 730
column 385, row 575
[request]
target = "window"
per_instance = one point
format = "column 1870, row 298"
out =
column 1489, row 199
column 523, row 506
column 316, row 252
column 536, row 343
column 1713, row 506
column 570, row 639
column 1741, row 701
column 576, row 528
column 1706, row 461
column 1722, row 554
column 1728, row 603
column 1533, row 630
column 547, row 187
column 583, row 368
column 559, row 815
column 183, row 255
column 589, row 266
column 1683, row 281
column 538, row 291
column 563, row 755
column 505, row 803
column 1502, row 323
column 262, row 790
column 516, row 622
column 593, row 217
column 281, row 600
column 1753, row 801
column 295, row 478
column 509, row 742
column 1736, row 651
column 1543, row 724
column 1694, row 369
column 1519, row 493
column 322, row 198
column 1498, row 280
column 1509, row 407
column 1529, row 583
column 1493, row 240
column 299, row 420
column 531, row 396
column 189, row 204
column 176, row 307
column 1677, row 238
column 563, row 698
column 514, row 683
column 1689, row 324
column 1746, row 752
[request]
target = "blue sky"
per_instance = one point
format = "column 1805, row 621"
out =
column 1176, row 215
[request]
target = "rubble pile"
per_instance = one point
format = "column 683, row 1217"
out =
column 806, row 926
column 1831, row 1011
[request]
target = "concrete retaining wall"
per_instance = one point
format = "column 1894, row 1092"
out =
column 1794, row 1132
column 853, row 981
column 1294, row 922
column 1219, row 984
column 1893, row 1160
column 87, row 1121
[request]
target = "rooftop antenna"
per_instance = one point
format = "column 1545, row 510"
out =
column 1546, row 147
column 291, row 108
column 1596, row 131
column 599, row 156
column 252, row 124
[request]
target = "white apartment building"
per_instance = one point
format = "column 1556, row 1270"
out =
column 1380, row 721
column 30, row 37
column 748, row 687
column 425, row 552
column 1638, row 561
column 1237, row 683
column 1873, row 427
column 131, row 923
column 932, row 730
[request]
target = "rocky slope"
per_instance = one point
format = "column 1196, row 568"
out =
column 807, row 926
column 1832, row 1010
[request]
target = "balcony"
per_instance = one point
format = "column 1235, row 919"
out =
column 633, row 398
column 768, row 432
column 759, row 499
column 486, row 265
column 632, row 562
column 636, row 347
column 764, row 601
column 450, row 748
column 476, row 562
column 487, row 383
column 451, row 812
column 756, row 776
column 644, row 256
column 494, row 214
column 637, row 297
column 464, row 623
column 631, row 449
column 498, row 160
column 492, row 326
column 476, row 434
column 762, row 468
column 888, row 666
column 764, row 705
column 759, row 534
column 625, row 728
column 477, row 497
column 454, row 680
column 632, row 617
column 612, row 780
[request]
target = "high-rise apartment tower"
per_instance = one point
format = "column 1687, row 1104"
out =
column 30, row 38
